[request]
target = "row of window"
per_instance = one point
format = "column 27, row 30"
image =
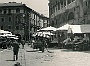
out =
column 10, row 19
column 6, row 11
column 3, row 19
column 59, row 5
column 86, row 3
column 10, row 27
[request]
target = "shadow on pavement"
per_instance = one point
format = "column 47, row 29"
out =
column 9, row 60
column 50, row 52
column 68, row 50
column 86, row 51
column 32, row 50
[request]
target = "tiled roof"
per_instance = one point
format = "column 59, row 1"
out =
column 11, row 4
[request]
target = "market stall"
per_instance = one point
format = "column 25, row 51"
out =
column 81, row 36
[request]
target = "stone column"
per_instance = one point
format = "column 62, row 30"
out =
column 80, row 4
column 66, row 4
column 63, row 3
column 60, row 6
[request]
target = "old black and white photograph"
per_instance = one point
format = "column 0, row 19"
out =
column 44, row 32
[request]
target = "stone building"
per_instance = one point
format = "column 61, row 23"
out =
column 20, row 19
column 37, row 21
column 69, row 11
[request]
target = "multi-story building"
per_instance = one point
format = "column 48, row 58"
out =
column 69, row 11
column 37, row 21
column 18, row 18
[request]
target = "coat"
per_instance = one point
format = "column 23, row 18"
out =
column 15, row 46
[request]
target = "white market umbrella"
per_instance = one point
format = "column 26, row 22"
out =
column 13, row 37
column 48, row 29
column 3, row 35
column 6, row 35
column 2, row 31
column 10, row 35
column 48, row 33
column 33, row 35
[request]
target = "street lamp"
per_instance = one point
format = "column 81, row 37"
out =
column 40, row 24
column 30, row 28
column 24, row 26
column 13, row 22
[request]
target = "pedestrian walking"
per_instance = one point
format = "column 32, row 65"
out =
column 46, row 45
column 9, row 44
column 4, row 44
column 23, row 43
column 32, row 43
column 15, row 46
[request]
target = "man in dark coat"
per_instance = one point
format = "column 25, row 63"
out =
column 15, row 46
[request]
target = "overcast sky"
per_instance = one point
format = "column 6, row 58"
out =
column 40, row 6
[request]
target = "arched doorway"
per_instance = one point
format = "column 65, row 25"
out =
column 1, row 27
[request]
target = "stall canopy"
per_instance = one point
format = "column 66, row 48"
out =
column 79, row 29
column 8, row 34
column 5, row 32
column 65, row 27
column 48, row 29
column 42, row 34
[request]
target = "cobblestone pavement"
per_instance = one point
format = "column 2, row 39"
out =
column 6, row 57
column 55, row 57
column 58, row 57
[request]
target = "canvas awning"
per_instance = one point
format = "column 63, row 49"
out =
column 65, row 27
column 45, row 33
column 79, row 29
column 13, row 37
column 2, row 31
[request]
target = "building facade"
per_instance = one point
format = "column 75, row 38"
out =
column 37, row 21
column 69, row 11
column 20, row 19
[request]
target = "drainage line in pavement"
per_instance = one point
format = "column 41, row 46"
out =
column 21, row 57
column 24, row 57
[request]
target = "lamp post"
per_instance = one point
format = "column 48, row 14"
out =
column 24, row 26
column 29, row 28
column 13, row 22
column 39, row 23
